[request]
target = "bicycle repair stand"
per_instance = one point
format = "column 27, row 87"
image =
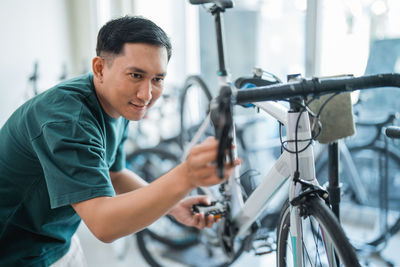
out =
column 334, row 184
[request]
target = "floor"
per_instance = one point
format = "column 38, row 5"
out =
column 99, row 254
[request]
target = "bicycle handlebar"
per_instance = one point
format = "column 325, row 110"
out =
column 316, row 86
column 393, row 131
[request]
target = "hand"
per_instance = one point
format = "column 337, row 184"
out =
column 182, row 212
column 201, row 165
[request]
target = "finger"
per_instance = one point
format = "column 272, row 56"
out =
column 210, row 221
column 201, row 222
column 208, row 144
column 204, row 158
column 236, row 162
column 205, row 172
column 227, row 173
column 210, row 139
column 211, row 171
column 196, row 219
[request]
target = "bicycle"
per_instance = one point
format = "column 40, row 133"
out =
column 167, row 234
column 305, row 214
column 239, row 223
column 369, row 176
column 299, row 158
column 197, row 97
column 225, row 236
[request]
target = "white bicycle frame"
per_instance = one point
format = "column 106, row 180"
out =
column 244, row 214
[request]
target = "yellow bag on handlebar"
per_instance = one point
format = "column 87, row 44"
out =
column 336, row 117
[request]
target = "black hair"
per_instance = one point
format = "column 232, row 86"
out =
column 130, row 29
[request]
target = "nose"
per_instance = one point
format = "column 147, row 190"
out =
column 144, row 92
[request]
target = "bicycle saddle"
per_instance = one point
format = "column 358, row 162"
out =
column 220, row 3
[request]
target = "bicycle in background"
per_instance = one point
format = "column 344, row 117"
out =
column 368, row 172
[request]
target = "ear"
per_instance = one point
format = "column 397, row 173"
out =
column 98, row 65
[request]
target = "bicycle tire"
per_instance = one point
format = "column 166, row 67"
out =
column 158, row 254
column 143, row 239
column 194, row 106
column 208, row 251
column 365, row 158
column 150, row 163
column 317, row 213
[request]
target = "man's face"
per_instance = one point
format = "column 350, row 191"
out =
column 133, row 81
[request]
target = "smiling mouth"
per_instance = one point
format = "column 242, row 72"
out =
column 138, row 107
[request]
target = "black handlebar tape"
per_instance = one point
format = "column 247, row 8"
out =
column 316, row 86
column 199, row 2
column 393, row 131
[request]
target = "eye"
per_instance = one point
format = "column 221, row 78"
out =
column 159, row 79
column 136, row 75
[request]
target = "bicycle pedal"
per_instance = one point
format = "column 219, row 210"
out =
column 217, row 209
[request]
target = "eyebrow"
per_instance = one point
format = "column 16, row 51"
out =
column 136, row 69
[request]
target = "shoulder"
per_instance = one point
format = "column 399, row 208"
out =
column 71, row 102
column 69, row 99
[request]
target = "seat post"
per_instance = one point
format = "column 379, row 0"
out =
column 217, row 13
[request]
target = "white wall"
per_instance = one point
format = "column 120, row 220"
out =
column 57, row 32
column 30, row 30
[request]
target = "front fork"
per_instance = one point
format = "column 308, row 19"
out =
column 296, row 237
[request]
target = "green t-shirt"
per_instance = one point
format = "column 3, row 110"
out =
column 55, row 150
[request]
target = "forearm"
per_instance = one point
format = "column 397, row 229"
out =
column 125, row 181
column 112, row 217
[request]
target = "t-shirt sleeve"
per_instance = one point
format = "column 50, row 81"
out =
column 73, row 161
column 120, row 158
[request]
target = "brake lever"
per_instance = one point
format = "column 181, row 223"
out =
column 221, row 117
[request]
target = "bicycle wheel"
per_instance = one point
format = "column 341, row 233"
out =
column 150, row 164
column 322, row 235
column 208, row 252
column 194, row 107
column 363, row 219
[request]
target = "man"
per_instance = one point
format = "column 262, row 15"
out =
column 62, row 160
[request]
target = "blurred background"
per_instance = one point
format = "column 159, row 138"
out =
column 46, row 41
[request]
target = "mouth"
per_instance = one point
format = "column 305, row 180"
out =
column 139, row 107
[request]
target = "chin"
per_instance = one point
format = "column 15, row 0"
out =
column 135, row 117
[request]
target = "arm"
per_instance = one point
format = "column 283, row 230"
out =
column 125, row 181
column 112, row 217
